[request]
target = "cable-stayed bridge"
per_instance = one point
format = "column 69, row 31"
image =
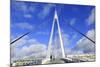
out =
column 49, row 59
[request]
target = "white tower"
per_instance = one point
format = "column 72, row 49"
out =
column 51, row 36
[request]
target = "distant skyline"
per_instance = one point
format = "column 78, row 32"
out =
column 38, row 18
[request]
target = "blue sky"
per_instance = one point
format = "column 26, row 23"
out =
column 38, row 18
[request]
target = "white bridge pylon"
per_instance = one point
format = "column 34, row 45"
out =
column 51, row 37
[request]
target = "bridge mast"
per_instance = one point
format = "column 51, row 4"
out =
column 55, row 20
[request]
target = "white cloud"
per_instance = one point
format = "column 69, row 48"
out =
column 33, row 48
column 91, row 17
column 85, row 45
column 20, row 6
column 45, row 11
column 20, row 42
column 91, row 34
column 73, row 21
column 23, row 25
column 42, row 33
column 74, row 36
column 28, row 47
column 65, row 39
column 27, row 15
column 17, row 44
column 24, row 8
